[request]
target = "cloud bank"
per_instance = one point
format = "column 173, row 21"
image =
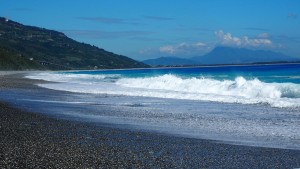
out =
column 227, row 39
column 261, row 41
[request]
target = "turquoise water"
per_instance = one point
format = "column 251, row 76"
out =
column 275, row 85
column 267, row 73
column 248, row 105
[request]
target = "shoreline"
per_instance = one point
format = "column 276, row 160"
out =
column 174, row 67
column 31, row 140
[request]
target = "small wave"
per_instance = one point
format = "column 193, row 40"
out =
column 72, row 78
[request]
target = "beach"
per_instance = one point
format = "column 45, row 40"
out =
column 38, row 140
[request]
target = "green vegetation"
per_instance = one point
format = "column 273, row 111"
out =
column 27, row 47
column 10, row 60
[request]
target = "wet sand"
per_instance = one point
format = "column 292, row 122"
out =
column 31, row 140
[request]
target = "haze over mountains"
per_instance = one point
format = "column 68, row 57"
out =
column 224, row 55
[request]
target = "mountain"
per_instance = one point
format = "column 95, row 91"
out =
column 224, row 55
column 27, row 47
column 229, row 55
column 168, row 61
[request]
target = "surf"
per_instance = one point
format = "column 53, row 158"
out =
column 239, row 90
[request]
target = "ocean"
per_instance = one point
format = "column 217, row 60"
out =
column 255, row 105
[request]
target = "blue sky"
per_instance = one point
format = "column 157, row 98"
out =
column 143, row 29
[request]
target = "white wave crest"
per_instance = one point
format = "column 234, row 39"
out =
column 240, row 87
column 239, row 90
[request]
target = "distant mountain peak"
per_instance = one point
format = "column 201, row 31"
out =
column 224, row 55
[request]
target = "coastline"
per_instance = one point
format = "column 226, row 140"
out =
column 31, row 140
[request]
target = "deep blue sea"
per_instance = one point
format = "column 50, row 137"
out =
column 257, row 105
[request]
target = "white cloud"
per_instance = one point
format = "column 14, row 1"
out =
column 226, row 39
column 167, row 49
column 261, row 41
column 183, row 48
column 263, row 36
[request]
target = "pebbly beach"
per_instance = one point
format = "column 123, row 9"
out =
column 30, row 139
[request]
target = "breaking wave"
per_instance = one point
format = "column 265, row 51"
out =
column 239, row 90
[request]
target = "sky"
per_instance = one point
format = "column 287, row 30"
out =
column 145, row 29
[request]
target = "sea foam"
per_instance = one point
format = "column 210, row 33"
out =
column 239, row 90
column 250, row 115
